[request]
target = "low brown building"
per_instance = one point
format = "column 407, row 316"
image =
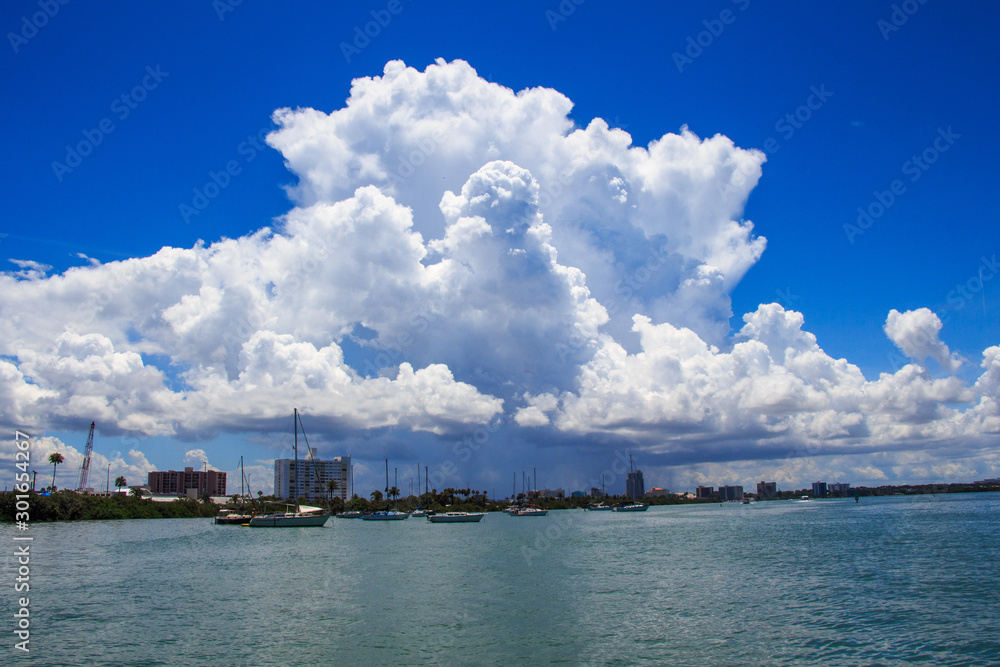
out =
column 176, row 482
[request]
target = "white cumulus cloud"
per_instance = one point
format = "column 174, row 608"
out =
column 916, row 334
column 456, row 254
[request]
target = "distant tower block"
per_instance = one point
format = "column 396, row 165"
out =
column 85, row 468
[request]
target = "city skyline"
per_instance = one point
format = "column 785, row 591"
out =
column 450, row 252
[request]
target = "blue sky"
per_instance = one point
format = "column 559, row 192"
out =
column 839, row 101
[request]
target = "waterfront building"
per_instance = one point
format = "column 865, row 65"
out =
column 577, row 494
column 731, row 492
column 312, row 477
column 657, row 492
column 550, row 493
column 838, row 487
column 595, row 492
column 819, row 489
column 634, row 486
column 767, row 490
column 704, row 492
column 187, row 482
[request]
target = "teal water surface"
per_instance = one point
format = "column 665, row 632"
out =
column 897, row 580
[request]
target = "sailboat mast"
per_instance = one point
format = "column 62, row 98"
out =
column 631, row 469
column 387, row 482
column 295, row 448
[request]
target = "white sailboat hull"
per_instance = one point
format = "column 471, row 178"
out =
column 386, row 516
column 632, row 508
column 288, row 520
column 529, row 512
column 456, row 517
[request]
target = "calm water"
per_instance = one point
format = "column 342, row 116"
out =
column 887, row 581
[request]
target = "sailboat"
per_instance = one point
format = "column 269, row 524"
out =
column 420, row 511
column 387, row 515
column 303, row 515
column 601, row 506
column 633, row 506
column 456, row 517
column 351, row 514
column 230, row 517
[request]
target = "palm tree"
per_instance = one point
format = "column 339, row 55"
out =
column 393, row 492
column 333, row 486
column 120, row 482
column 376, row 496
column 55, row 458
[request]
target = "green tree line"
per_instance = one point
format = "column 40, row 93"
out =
column 72, row 506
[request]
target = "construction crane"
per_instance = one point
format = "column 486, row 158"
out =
column 85, row 468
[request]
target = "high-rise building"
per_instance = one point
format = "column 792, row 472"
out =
column 838, row 487
column 595, row 492
column 311, row 478
column 634, row 486
column 201, row 482
column 767, row 490
column 731, row 493
column 704, row 492
column 819, row 489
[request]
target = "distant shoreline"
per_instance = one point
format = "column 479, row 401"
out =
column 71, row 506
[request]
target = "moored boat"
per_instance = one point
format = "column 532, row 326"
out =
column 631, row 507
column 529, row 511
column 232, row 518
column 634, row 505
column 386, row 515
column 456, row 517
column 303, row 516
